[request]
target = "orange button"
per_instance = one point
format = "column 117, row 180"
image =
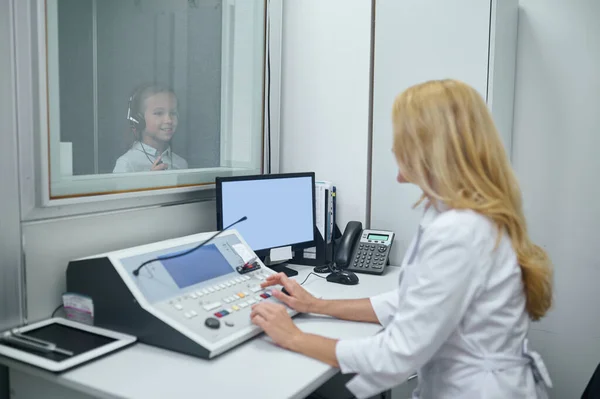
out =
column 241, row 294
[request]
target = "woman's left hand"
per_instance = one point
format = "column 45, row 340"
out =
column 276, row 323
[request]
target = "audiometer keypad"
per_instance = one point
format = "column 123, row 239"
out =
column 222, row 307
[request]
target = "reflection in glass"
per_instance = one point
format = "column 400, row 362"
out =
column 153, row 119
column 140, row 86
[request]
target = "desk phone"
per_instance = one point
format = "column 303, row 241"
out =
column 364, row 251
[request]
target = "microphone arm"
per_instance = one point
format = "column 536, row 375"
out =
column 136, row 272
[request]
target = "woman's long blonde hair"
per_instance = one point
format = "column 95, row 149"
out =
column 445, row 141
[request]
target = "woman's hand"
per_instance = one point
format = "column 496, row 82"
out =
column 297, row 298
column 158, row 164
column 276, row 323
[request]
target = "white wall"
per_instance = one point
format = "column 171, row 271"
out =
column 325, row 96
column 555, row 143
column 412, row 45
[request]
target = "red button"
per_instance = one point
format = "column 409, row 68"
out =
column 219, row 314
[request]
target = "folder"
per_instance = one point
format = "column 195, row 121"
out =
column 325, row 207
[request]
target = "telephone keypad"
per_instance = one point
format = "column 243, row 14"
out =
column 370, row 257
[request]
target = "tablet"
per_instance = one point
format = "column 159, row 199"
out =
column 59, row 344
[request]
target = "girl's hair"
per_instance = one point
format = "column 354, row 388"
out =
column 145, row 91
column 445, row 142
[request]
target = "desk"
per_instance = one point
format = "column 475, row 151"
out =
column 247, row 371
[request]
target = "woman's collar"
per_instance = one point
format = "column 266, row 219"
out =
column 432, row 210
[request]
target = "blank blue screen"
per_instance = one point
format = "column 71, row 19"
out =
column 280, row 211
column 200, row 265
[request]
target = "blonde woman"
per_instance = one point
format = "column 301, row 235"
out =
column 472, row 279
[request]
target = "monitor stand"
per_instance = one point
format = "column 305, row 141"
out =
column 282, row 268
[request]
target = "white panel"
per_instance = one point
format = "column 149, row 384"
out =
column 501, row 74
column 10, row 229
column 417, row 41
column 325, row 96
column 555, row 151
column 50, row 245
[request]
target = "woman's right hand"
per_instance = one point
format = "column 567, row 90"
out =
column 158, row 164
column 297, row 298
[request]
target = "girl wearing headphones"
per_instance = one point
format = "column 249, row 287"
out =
column 472, row 279
column 153, row 119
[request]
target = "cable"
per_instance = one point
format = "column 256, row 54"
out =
column 309, row 276
column 148, row 156
column 56, row 310
column 326, row 268
column 136, row 272
column 329, row 266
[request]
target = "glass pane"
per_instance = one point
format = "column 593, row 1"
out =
column 153, row 93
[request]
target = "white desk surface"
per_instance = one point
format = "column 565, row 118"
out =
column 255, row 369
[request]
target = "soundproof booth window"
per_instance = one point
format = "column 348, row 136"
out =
column 146, row 94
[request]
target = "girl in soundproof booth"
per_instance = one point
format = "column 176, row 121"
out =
column 153, row 118
column 472, row 279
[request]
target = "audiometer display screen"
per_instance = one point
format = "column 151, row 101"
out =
column 378, row 237
column 164, row 278
column 196, row 267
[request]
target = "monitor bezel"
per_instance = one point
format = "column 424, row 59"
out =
column 228, row 179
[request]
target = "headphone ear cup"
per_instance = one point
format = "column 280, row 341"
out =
column 141, row 125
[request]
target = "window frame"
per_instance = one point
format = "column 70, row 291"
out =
column 30, row 44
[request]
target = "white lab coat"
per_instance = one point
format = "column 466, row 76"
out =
column 458, row 318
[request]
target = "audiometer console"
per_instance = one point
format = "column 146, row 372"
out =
column 198, row 303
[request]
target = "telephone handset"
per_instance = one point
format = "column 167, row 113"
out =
column 363, row 251
column 344, row 250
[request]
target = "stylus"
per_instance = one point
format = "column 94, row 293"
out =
column 34, row 343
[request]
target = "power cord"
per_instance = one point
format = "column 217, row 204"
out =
column 56, row 310
column 309, row 276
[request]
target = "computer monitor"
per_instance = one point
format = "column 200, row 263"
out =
column 280, row 210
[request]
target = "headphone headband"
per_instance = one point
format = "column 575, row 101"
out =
column 136, row 119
